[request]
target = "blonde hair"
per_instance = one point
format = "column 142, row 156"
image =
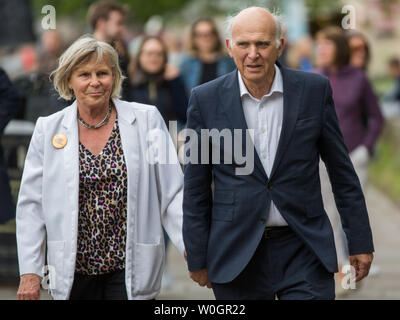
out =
column 77, row 54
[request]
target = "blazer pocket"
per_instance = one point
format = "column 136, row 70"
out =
column 150, row 263
column 223, row 205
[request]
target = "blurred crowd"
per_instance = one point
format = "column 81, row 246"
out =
column 161, row 69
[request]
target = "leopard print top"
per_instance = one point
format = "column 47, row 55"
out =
column 102, row 208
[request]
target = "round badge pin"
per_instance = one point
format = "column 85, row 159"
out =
column 59, row 140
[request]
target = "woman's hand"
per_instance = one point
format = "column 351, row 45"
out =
column 29, row 287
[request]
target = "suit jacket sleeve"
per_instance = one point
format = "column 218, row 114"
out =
column 30, row 223
column 197, row 199
column 169, row 184
column 9, row 100
column 346, row 187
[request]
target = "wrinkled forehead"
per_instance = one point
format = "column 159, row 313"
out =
column 249, row 25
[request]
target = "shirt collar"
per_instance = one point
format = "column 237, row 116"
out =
column 277, row 84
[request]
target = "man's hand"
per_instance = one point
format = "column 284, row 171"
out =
column 200, row 277
column 361, row 264
column 29, row 287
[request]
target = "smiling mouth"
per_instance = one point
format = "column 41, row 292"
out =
column 96, row 93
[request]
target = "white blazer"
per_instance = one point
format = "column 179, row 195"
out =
column 47, row 209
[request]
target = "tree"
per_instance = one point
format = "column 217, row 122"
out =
column 140, row 10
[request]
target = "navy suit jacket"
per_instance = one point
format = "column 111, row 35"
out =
column 223, row 227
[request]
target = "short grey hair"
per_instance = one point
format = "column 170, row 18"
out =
column 278, row 18
column 77, row 54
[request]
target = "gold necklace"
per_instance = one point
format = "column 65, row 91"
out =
column 100, row 124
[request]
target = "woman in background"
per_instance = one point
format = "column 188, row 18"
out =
column 359, row 115
column 359, row 50
column 158, row 83
column 207, row 60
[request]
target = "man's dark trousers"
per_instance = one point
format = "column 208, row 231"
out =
column 282, row 267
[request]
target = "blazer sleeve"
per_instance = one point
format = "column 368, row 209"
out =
column 30, row 222
column 9, row 100
column 197, row 195
column 346, row 187
column 169, row 177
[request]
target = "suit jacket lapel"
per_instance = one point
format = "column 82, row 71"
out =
column 232, row 106
column 292, row 91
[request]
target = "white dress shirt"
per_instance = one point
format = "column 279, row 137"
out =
column 265, row 118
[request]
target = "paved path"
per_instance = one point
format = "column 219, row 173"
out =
column 385, row 222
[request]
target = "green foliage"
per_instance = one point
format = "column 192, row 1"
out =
column 382, row 85
column 143, row 10
column 318, row 8
column 140, row 10
column 384, row 171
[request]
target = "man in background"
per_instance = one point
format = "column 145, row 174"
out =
column 108, row 22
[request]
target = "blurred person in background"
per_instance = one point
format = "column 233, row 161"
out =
column 51, row 48
column 37, row 93
column 394, row 72
column 299, row 55
column 9, row 103
column 108, row 22
column 87, row 193
column 156, row 82
column 207, row 60
column 360, row 55
column 353, row 98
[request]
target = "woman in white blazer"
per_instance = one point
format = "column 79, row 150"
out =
column 93, row 194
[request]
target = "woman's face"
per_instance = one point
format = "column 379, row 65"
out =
column 92, row 83
column 151, row 58
column 204, row 37
column 358, row 52
column 326, row 51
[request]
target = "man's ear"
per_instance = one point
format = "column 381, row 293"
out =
column 281, row 46
column 228, row 46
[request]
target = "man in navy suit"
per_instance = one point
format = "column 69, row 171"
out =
column 265, row 235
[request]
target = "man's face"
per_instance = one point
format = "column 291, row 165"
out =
column 253, row 48
column 114, row 26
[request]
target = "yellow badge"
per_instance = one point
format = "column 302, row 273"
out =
column 59, row 140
